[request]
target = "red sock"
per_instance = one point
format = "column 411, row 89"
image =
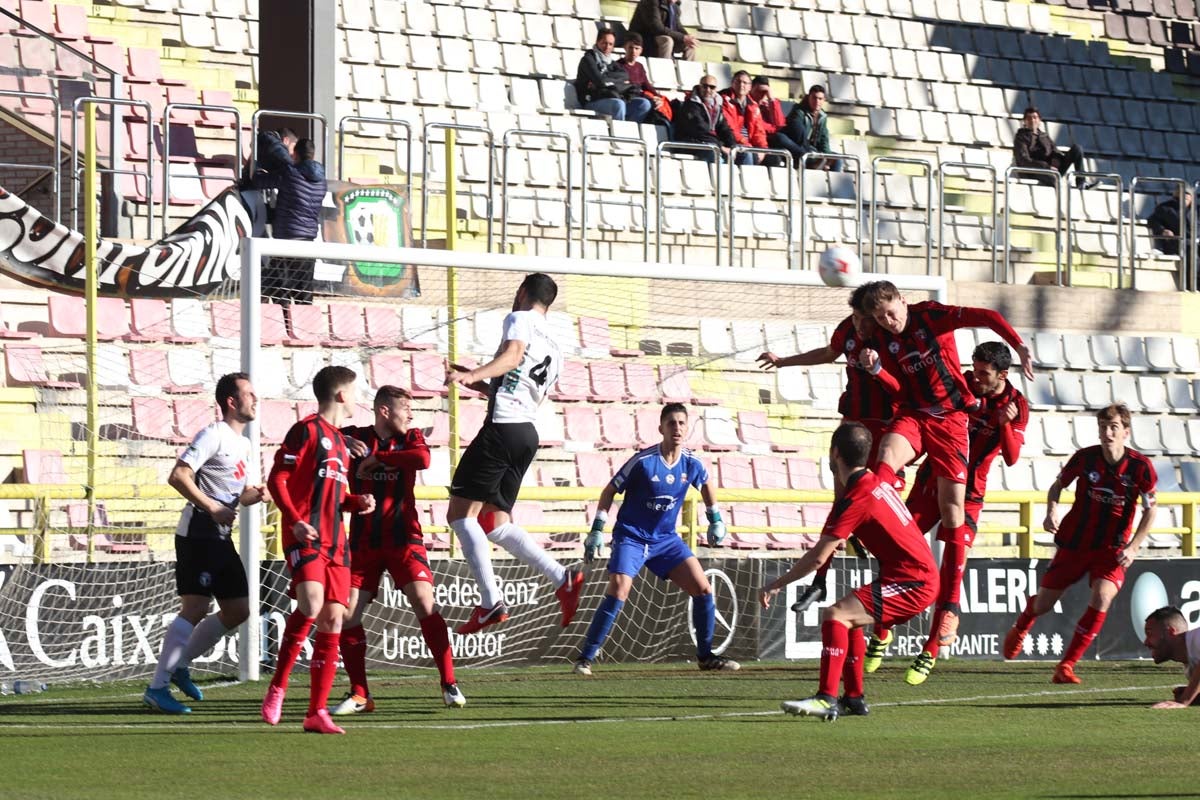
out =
column 885, row 472
column 833, row 655
column 852, row 672
column 322, row 670
column 1085, row 633
column 1025, row 619
column 295, row 632
column 437, row 636
column 354, row 655
column 954, row 561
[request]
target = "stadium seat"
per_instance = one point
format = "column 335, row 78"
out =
column 647, row 423
column 1040, row 392
column 804, row 474
column 734, row 472
column 1190, row 471
column 1034, row 442
column 783, row 516
column 1146, row 438
column 470, row 420
column 1187, row 356
column 190, row 320
column 1158, row 354
column 1125, row 390
column 641, row 382
column 1018, row 477
column 582, row 428
column 382, row 326
column 112, row 367
column 428, row 374
column 1045, row 473
column 68, row 317
column 1047, row 350
column 770, row 472
column 720, row 431
column 1105, row 352
column 27, row 367
column 1152, row 394
column 607, row 382
column 1132, row 351
column 1077, row 352
column 754, row 430
column 617, row 428
column 385, row 368
column 815, row 514
column 153, row 418
column 347, row 326
column 1068, row 391
column 1058, row 438
column 793, row 385
column 550, row 426
column 1179, row 394
column 43, row 466
column 594, row 470
column 438, row 433
column 573, row 383
column 1085, row 431
column 1174, row 436
column 752, row 520
column 1097, row 391
column 276, row 418
column 676, row 388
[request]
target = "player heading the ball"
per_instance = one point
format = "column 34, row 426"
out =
column 655, row 482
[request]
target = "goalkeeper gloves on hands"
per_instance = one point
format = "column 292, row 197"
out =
column 716, row 528
column 594, row 542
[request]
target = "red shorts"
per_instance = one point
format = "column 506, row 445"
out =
column 891, row 602
column 309, row 565
column 943, row 440
column 408, row 564
column 1068, row 566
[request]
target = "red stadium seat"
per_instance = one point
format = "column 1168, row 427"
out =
column 383, row 327
column 677, row 389
column 734, row 472
column 27, row 367
column 770, row 472
column 616, row 428
column 192, row 414
column 309, row 324
column 804, row 474
column 388, row 368
column 274, row 327
column 746, row 515
column 276, row 417
column 470, row 420
column 647, row 421
column 582, row 426
column 815, row 514
column 572, row 384
column 346, row 324
column 428, row 375
column 593, row 470
column 151, row 322
column 607, row 382
column 226, row 319
column 641, row 383
column 754, row 431
column 153, row 418
column 68, row 317
column 43, row 466
column 786, row 515
column 438, row 434
column 596, row 339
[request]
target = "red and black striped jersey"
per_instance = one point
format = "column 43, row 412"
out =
column 394, row 522
column 874, row 512
column 924, row 358
column 1105, row 499
column 990, row 432
column 864, row 397
column 309, row 483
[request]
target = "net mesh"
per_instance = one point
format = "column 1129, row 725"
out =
column 629, row 344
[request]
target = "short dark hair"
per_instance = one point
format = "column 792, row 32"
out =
column 600, row 34
column 1166, row 616
column 995, row 353
column 1115, row 411
column 876, row 293
column 227, row 387
column 852, row 440
column 328, row 380
column 856, row 298
column 739, row 74
column 633, row 38
column 306, row 149
column 388, row 395
column 540, row 288
column 816, row 87
column 761, row 80
column 1030, row 110
column 672, row 408
column 287, row 133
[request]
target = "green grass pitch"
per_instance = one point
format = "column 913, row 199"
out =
column 974, row 730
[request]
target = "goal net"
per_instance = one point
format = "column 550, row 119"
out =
column 97, row 598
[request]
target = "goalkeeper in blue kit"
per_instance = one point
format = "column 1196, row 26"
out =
column 655, row 482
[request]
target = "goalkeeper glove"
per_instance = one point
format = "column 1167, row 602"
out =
column 716, row 528
column 594, row 542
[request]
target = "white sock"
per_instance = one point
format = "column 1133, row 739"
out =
column 477, row 551
column 174, row 642
column 204, row 637
column 517, row 541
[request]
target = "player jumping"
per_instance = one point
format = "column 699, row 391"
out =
column 488, row 478
column 1093, row 538
column 390, row 539
column 906, row 584
column 211, row 476
column 308, row 482
column 654, row 483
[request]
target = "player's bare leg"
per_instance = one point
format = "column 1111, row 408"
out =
column 353, row 646
column 310, row 598
column 837, row 623
column 323, row 668
column 1103, row 593
column 894, row 453
column 689, row 576
column 502, row 531
column 615, row 595
column 1035, row 606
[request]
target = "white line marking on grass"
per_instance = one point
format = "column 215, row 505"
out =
column 181, row 727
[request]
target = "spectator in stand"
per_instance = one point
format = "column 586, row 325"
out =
column 1033, row 148
column 302, row 189
column 1167, row 220
column 657, row 22
column 744, row 119
column 660, row 107
column 808, row 128
column 700, row 120
column 773, row 120
column 603, row 86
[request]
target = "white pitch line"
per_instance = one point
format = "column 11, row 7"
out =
column 181, row 726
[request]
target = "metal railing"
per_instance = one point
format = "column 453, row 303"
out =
column 858, row 212
column 734, row 195
column 166, row 127
column 270, row 112
column 148, row 172
column 387, row 122
column 660, row 207
column 1184, row 268
column 427, row 155
column 504, row 193
column 1098, row 177
column 928, row 170
column 1057, row 186
column 53, row 167
column 642, row 147
column 966, row 168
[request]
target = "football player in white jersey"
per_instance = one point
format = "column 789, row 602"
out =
column 1169, row 639
column 211, row 476
column 486, row 482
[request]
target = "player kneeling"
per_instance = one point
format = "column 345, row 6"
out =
column 655, row 482
column 907, row 581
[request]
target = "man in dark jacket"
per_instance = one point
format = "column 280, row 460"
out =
column 603, row 86
column 1033, row 147
column 302, row 190
column 1168, row 220
column 700, row 119
column 657, row 21
column 808, row 128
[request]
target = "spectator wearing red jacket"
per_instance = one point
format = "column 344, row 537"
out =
column 773, row 119
column 744, row 118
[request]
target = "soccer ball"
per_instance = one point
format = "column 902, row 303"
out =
column 839, row 266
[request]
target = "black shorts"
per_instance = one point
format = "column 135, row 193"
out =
column 209, row 567
column 494, row 464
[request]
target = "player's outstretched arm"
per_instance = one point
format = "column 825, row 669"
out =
column 508, row 359
column 183, row 480
column 814, row 558
column 972, row 317
column 819, row 355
